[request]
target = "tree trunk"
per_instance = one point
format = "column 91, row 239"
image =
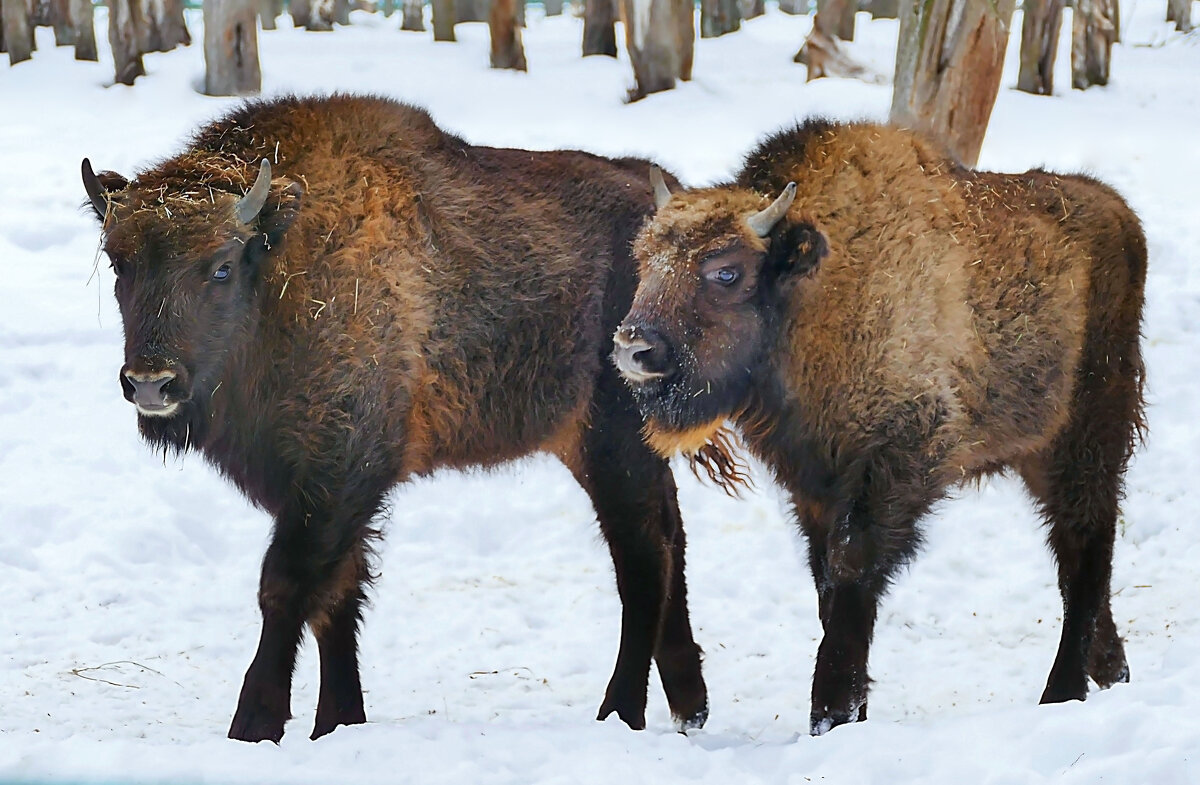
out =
column 123, row 24
column 838, row 17
column 1039, row 45
column 231, row 47
column 18, row 30
column 1180, row 12
column 599, row 28
column 341, row 12
column 794, row 7
column 507, row 51
column 60, row 18
column 268, row 12
column 820, row 51
column 750, row 9
column 472, row 10
column 85, row 30
column 320, row 16
column 443, row 20
column 300, row 11
column 885, row 9
column 660, row 37
column 162, row 27
column 718, row 17
column 1092, row 34
column 414, row 16
column 948, row 66
column 553, row 7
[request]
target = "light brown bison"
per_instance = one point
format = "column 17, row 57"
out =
column 882, row 326
column 374, row 300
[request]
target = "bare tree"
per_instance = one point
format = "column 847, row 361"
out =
column 948, row 66
column 231, row 47
column 162, row 27
column 444, row 16
column 472, row 10
column 1093, row 30
column 341, row 12
column 413, row 17
column 85, row 30
column 553, row 7
column 300, row 11
column 820, row 51
column 268, row 12
column 718, row 17
column 60, row 19
column 660, row 36
column 885, row 9
column 599, row 28
column 1039, row 45
column 15, row 16
column 1180, row 12
column 750, row 9
column 507, row 51
column 124, row 19
column 794, row 7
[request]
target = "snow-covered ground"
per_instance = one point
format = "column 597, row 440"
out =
column 127, row 611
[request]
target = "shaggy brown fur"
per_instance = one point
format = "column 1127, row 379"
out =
column 404, row 301
column 908, row 325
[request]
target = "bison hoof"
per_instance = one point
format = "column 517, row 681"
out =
column 261, row 715
column 824, row 720
column 326, row 724
column 635, row 718
column 694, row 722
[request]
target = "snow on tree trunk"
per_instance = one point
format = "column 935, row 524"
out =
column 885, row 9
column 948, row 66
column 1180, row 12
column 599, row 28
column 507, row 51
column 268, row 12
column 1092, row 34
column 660, row 36
column 85, row 30
column 443, row 20
column 553, row 7
column 18, row 30
column 718, row 17
column 123, row 23
column 231, row 47
column 413, row 16
column 1039, row 45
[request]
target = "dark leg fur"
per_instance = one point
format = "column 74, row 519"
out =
column 634, row 496
column 311, row 573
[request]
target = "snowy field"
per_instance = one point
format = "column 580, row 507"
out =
column 127, row 585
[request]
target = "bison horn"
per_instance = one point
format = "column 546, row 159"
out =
column 662, row 194
column 250, row 205
column 763, row 222
column 95, row 190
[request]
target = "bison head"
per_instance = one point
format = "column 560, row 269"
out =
column 716, row 268
column 187, row 252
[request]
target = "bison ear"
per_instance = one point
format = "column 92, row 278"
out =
column 797, row 248
column 279, row 211
column 99, row 186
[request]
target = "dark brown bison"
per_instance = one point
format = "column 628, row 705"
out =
column 374, row 300
column 882, row 327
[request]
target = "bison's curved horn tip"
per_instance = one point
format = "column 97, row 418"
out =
column 95, row 190
column 250, row 205
column 662, row 194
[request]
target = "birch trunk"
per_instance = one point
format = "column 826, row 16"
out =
column 1093, row 31
column 948, row 68
column 123, row 24
column 231, row 48
column 1039, row 45
column 660, row 37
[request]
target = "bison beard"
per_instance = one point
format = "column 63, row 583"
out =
column 383, row 301
column 963, row 323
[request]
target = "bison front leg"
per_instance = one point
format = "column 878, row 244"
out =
column 313, row 573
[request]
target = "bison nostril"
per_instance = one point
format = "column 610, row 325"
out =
column 147, row 390
column 641, row 354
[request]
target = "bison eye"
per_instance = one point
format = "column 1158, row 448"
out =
column 222, row 273
column 726, row 276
